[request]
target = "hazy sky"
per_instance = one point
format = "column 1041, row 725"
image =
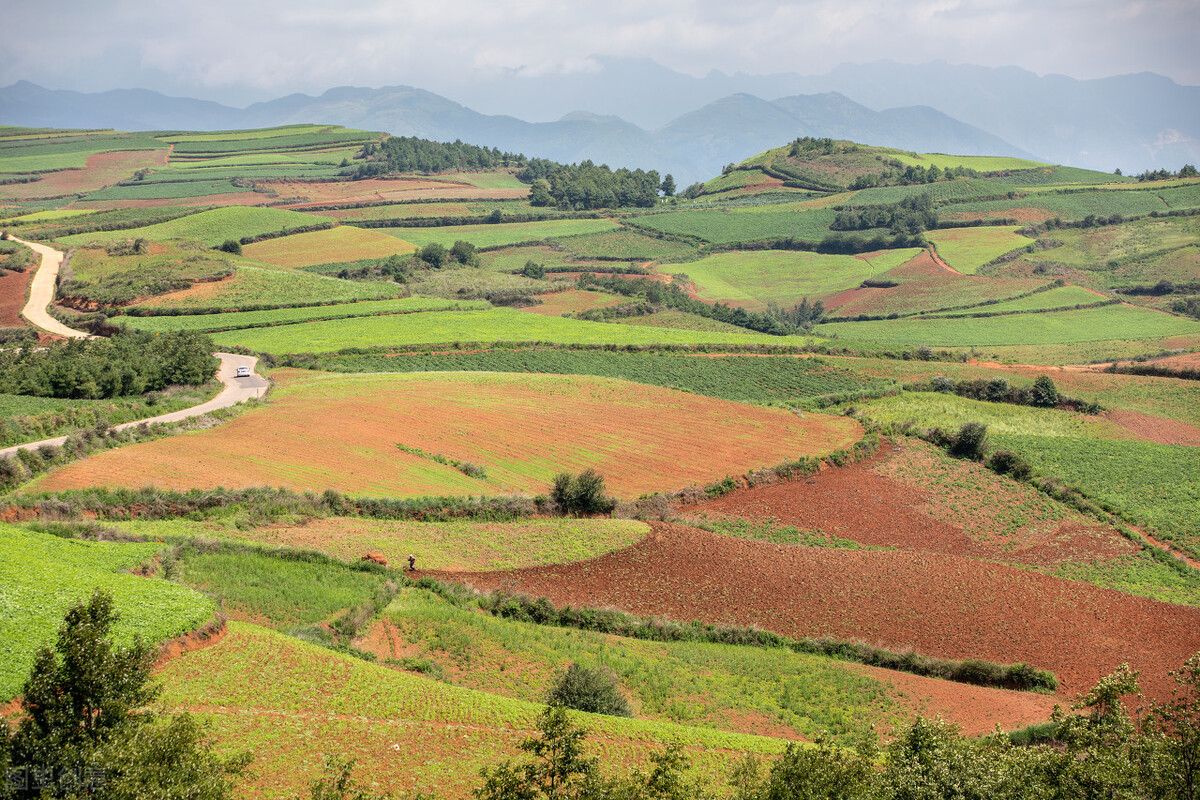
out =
column 238, row 51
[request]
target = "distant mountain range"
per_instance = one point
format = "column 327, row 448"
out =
column 691, row 127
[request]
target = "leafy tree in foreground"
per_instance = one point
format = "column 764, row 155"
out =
column 581, row 494
column 86, row 729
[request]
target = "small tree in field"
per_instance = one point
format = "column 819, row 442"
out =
column 592, row 690
column 970, row 441
column 1045, row 393
column 581, row 494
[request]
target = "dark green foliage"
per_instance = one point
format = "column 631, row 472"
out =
column 464, row 253
column 86, row 721
column 230, row 246
column 823, row 772
column 410, row 154
column 337, row 783
column 129, row 363
column 533, row 270
column 1006, row 462
column 581, row 494
column 970, row 441
column 433, row 254
column 1045, row 393
column 593, row 690
column 910, row 216
column 801, row 316
column 585, row 186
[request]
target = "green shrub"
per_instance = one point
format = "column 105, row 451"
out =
column 970, row 441
column 1006, row 462
column 592, row 690
column 230, row 246
column 1045, row 393
column 581, row 494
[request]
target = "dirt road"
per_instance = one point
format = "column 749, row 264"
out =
column 41, row 292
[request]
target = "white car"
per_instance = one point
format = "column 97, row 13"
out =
column 242, row 372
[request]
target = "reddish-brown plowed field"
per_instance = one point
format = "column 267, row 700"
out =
column 1185, row 361
column 376, row 190
column 341, row 431
column 937, row 604
column 229, row 199
column 103, row 169
column 913, row 498
column 1021, row 215
column 1155, row 429
column 924, row 284
column 574, row 300
column 12, row 298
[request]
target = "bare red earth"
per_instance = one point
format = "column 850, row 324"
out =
column 1155, row 429
column 12, row 298
column 937, row 604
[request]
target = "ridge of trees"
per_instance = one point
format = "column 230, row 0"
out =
column 412, row 154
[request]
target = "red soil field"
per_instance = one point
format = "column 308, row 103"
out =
column 13, row 287
column 871, row 503
column 230, row 199
column 575, row 300
column 940, row 605
column 375, row 190
column 1155, row 429
column 1021, row 215
column 341, row 431
column 924, row 284
column 103, row 169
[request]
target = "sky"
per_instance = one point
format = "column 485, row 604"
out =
column 241, row 51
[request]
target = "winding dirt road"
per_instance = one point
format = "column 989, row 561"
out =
column 41, row 293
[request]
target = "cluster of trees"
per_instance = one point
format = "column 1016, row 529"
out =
column 582, row 494
column 802, row 316
column 88, row 731
column 810, row 147
column 401, row 268
column 912, row 175
column 1043, row 393
column 586, row 186
column 673, row 296
column 912, row 215
column 1186, row 171
column 128, row 363
column 410, row 154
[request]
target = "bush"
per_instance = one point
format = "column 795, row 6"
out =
column 970, row 441
column 592, row 690
column 1006, row 462
column 1045, row 393
column 581, row 494
column 230, row 246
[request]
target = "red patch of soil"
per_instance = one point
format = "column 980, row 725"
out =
column 198, row 639
column 13, row 287
column 1184, row 361
column 1155, row 429
column 1030, row 214
column 103, row 169
column 937, row 604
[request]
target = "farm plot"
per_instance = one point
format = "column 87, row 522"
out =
column 500, row 234
column 923, row 285
column 754, row 279
column 937, row 604
column 746, row 224
column 344, row 243
column 439, row 545
column 556, row 304
column 766, row 380
column 101, row 169
column 968, row 249
column 269, row 691
column 978, row 163
column 1061, row 297
column 496, row 325
column 41, row 575
column 257, row 287
column 623, row 244
column 1078, row 205
column 209, row 227
column 238, row 320
column 1056, row 327
column 344, row 432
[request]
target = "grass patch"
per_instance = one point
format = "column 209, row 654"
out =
column 239, row 320
column 328, row 246
column 209, row 227
column 500, row 234
column 968, row 249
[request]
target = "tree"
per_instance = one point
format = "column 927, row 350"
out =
column 433, row 254
column 580, row 494
column 592, row 690
column 668, row 186
column 464, row 253
column 558, row 768
column 231, row 246
column 86, row 720
column 1045, row 393
column 970, row 441
column 1171, row 762
column 532, row 269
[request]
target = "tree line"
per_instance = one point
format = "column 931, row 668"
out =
column 127, row 363
column 411, row 154
column 912, row 215
column 586, row 185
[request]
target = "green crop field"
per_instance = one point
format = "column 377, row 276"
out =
column 209, row 227
column 499, row 234
column 68, row 152
column 1078, row 205
column 268, row 691
column 678, row 320
column 497, row 325
column 343, row 243
column 283, row 316
column 1056, row 327
column 744, row 224
column 457, row 546
column 165, row 191
column 968, row 249
column 1154, row 485
column 258, row 287
column 1060, row 176
column 624, row 244
column 1061, row 297
column 754, row 279
column 750, row 379
column 41, row 575
column 511, row 259
column 945, row 194
column 978, row 163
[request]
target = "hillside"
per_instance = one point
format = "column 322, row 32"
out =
column 848, row 436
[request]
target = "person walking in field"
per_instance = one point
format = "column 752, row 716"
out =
column 412, row 562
